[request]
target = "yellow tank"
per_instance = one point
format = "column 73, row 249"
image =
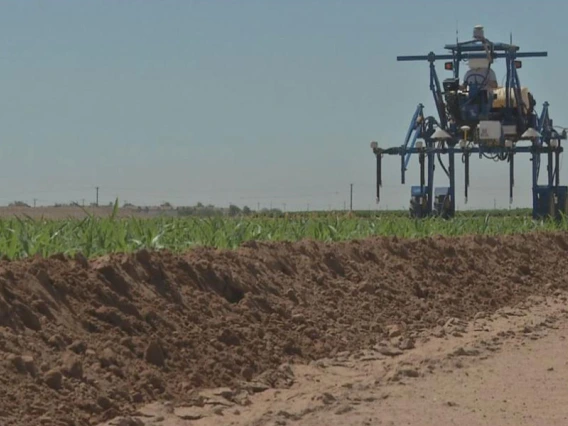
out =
column 501, row 97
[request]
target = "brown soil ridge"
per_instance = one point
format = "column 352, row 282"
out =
column 83, row 341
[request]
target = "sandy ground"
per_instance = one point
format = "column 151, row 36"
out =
column 506, row 369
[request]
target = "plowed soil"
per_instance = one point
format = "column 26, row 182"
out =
column 84, row 341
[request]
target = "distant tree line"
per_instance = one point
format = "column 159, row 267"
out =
column 201, row 210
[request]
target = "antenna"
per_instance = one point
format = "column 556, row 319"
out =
column 457, row 33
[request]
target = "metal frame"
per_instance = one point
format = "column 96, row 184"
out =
column 442, row 138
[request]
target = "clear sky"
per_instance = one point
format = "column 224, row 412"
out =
column 244, row 102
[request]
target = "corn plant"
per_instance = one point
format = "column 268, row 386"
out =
column 94, row 236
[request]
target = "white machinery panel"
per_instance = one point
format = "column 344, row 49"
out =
column 489, row 130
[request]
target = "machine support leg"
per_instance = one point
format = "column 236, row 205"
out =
column 466, row 187
column 511, row 176
column 452, row 170
column 402, row 169
column 557, row 165
column 534, row 157
column 431, row 160
column 421, row 159
column 379, row 177
column 550, row 169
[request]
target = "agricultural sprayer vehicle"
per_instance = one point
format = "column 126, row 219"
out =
column 477, row 116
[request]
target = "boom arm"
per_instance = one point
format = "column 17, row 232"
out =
column 467, row 55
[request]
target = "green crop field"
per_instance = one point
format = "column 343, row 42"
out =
column 93, row 236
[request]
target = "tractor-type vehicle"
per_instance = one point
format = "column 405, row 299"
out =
column 478, row 116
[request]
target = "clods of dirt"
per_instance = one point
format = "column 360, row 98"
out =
column 83, row 341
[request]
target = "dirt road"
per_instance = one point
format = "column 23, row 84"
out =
column 506, row 369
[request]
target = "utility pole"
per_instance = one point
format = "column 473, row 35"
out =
column 35, row 199
column 351, row 197
column 97, row 199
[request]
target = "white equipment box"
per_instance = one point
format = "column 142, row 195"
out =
column 489, row 130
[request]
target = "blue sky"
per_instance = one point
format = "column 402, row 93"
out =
column 244, row 102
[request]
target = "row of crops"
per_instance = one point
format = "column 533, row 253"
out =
column 92, row 236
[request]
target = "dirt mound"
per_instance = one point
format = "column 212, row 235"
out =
column 82, row 341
